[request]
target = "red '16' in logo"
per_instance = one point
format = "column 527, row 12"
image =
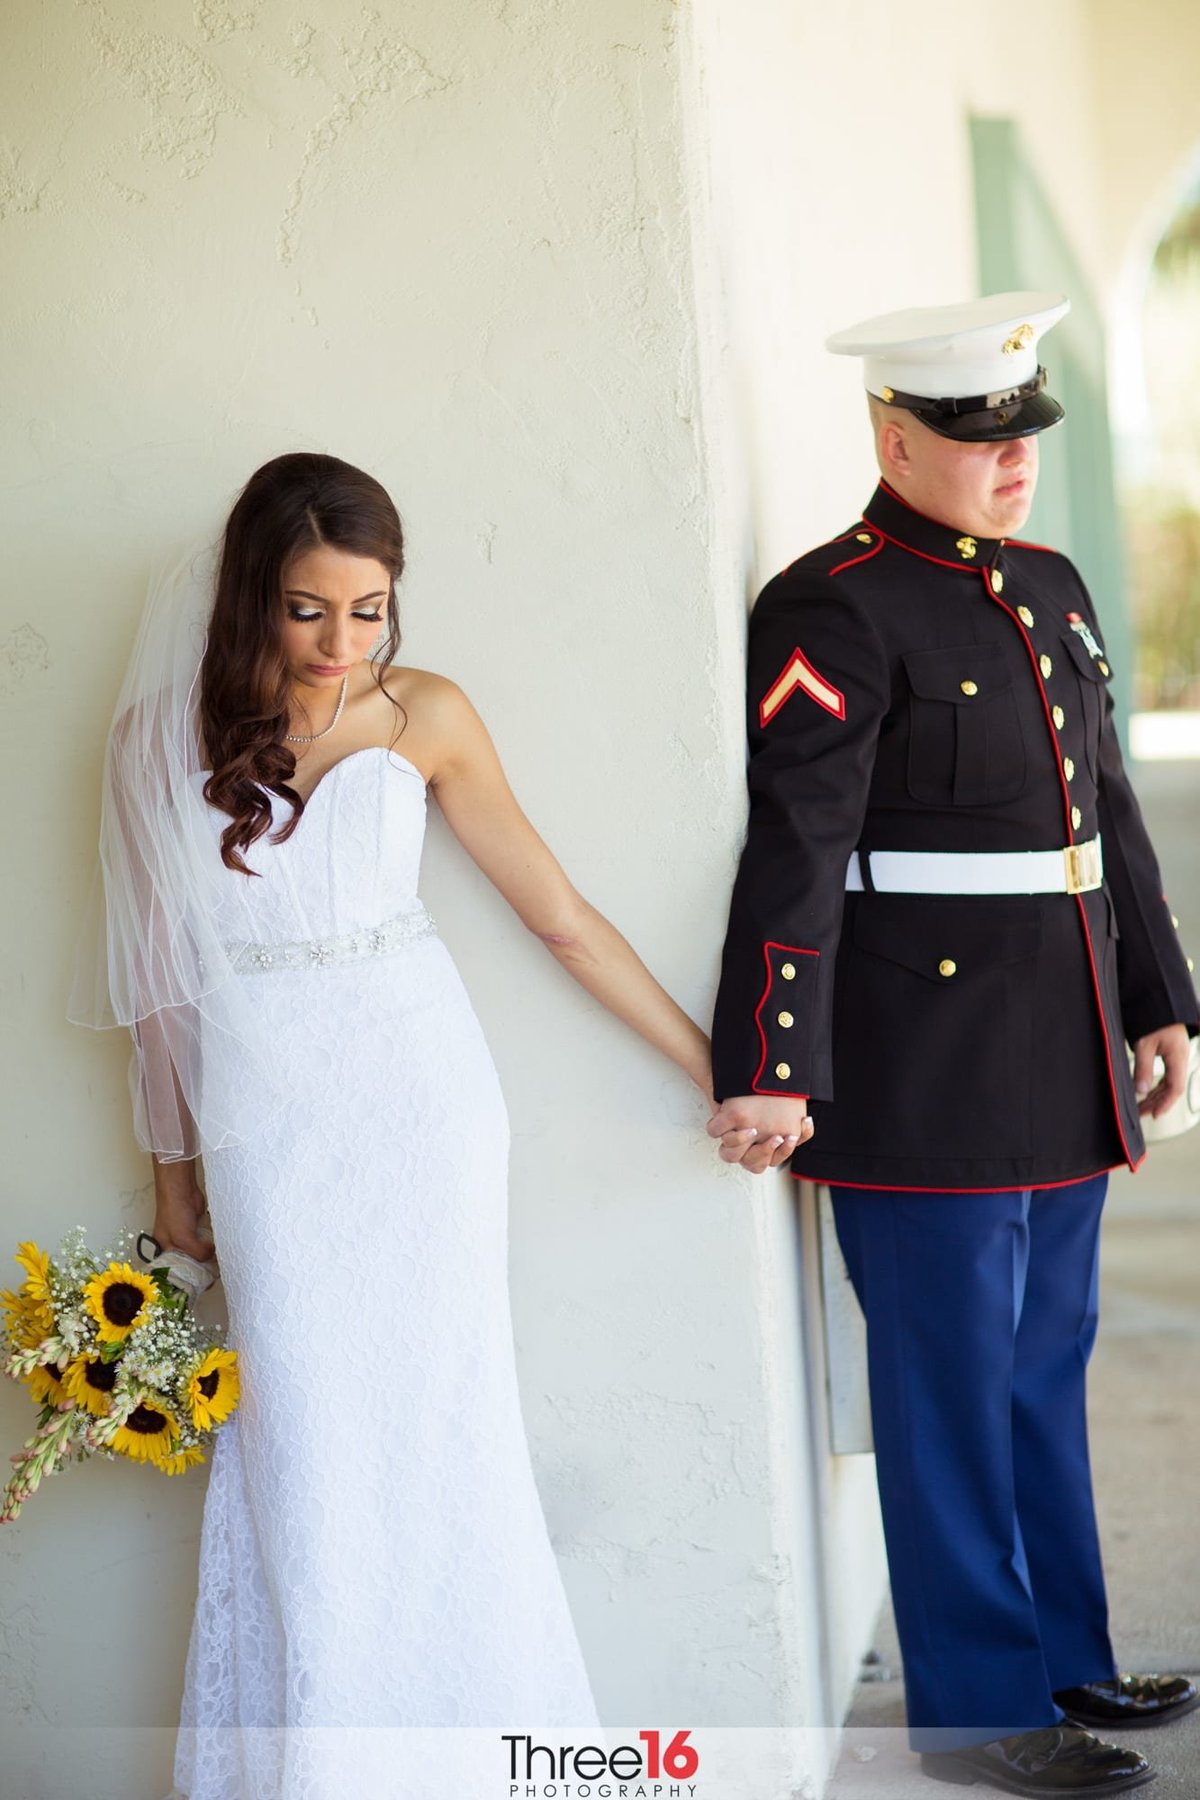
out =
column 677, row 1759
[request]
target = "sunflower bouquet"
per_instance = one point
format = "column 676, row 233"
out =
column 116, row 1361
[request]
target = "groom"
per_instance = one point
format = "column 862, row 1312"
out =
column 947, row 922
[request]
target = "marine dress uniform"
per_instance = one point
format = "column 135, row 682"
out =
column 947, row 921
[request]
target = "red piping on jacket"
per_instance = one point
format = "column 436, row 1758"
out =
column 845, row 537
column 788, row 950
column 1087, row 936
column 865, row 557
column 962, row 567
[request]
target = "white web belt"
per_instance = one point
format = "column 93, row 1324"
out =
column 1074, row 870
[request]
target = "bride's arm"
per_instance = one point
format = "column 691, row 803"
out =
column 481, row 809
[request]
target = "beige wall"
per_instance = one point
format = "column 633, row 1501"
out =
column 558, row 274
column 450, row 244
column 1144, row 61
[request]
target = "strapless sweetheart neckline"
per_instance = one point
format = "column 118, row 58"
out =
column 351, row 756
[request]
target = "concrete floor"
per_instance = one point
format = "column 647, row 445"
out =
column 1144, row 1403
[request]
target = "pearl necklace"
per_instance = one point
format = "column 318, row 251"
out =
column 310, row 737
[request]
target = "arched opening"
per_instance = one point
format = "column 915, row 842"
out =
column 1156, row 433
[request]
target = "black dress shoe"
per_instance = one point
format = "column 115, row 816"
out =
column 1057, row 1759
column 1129, row 1700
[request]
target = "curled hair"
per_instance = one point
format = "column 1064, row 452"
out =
column 293, row 504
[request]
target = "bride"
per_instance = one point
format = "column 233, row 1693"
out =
column 373, row 1551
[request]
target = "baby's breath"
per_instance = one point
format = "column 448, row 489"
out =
column 156, row 1362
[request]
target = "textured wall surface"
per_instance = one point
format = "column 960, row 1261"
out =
column 450, row 244
column 559, row 275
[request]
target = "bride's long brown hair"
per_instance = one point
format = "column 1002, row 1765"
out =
column 292, row 504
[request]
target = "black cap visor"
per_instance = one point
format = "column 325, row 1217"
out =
column 1015, row 420
column 983, row 418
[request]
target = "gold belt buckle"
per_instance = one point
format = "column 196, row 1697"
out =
column 1084, row 868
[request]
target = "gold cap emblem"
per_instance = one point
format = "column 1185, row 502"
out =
column 888, row 394
column 1021, row 338
column 966, row 546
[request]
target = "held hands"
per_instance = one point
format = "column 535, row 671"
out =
column 1171, row 1043
column 760, row 1131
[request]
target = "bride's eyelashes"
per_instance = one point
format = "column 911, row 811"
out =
column 303, row 618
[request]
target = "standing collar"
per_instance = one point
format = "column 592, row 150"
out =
column 924, row 536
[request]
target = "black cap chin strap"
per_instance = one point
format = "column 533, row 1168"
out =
column 956, row 407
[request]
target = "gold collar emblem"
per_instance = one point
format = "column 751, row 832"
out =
column 967, row 547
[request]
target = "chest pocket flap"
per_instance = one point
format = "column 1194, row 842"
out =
column 960, row 673
column 965, row 743
column 1087, row 664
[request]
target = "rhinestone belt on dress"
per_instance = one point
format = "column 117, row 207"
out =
column 370, row 940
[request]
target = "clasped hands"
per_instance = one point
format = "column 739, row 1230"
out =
column 760, row 1130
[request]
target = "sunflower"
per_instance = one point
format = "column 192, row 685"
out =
column 174, row 1462
column 89, row 1380
column 29, row 1320
column 147, row 1434
column 214, row 1388
column 36, row 1265
column 119, row 1299
column 45, row 1383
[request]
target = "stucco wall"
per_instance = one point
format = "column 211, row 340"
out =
column 452, row 245
column 559, row 275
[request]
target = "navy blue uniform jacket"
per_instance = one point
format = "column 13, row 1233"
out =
column 914, row 688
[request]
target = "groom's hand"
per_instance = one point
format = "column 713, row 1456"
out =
column 760, row 1130
column 1171, row 1043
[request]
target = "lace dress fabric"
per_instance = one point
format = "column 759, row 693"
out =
column 374, row 1563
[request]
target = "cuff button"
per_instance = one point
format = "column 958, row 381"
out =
column 947, row 968
column 786, row 1020
column 783, row 1070
column 788, row 971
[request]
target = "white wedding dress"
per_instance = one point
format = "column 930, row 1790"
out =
column 374, row 1563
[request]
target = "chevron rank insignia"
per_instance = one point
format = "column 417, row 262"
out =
column 798, row 672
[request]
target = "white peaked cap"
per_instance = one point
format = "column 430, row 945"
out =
column 978, row 347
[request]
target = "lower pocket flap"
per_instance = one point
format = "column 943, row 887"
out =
column 946, row 940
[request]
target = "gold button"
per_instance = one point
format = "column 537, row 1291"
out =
column 1175, row 921
column 966, row 546
column 947, row 967
column 1059, row 717
column 788, row 971
column 997, row 582
column 1025, row 616
column 1045, row 665
column 783, row 1070
column 1104, row 668
column 786, row 1020
column 1191, row 965
column 968, row 687
column 1068, row 768
column 864, row 537
column 1076, row 817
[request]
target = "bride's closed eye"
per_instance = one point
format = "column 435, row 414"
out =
column 302, row 617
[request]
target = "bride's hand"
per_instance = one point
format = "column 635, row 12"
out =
column 178, row 1205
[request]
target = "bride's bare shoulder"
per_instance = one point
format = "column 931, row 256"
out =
column 435, row 697
column 441, row 722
